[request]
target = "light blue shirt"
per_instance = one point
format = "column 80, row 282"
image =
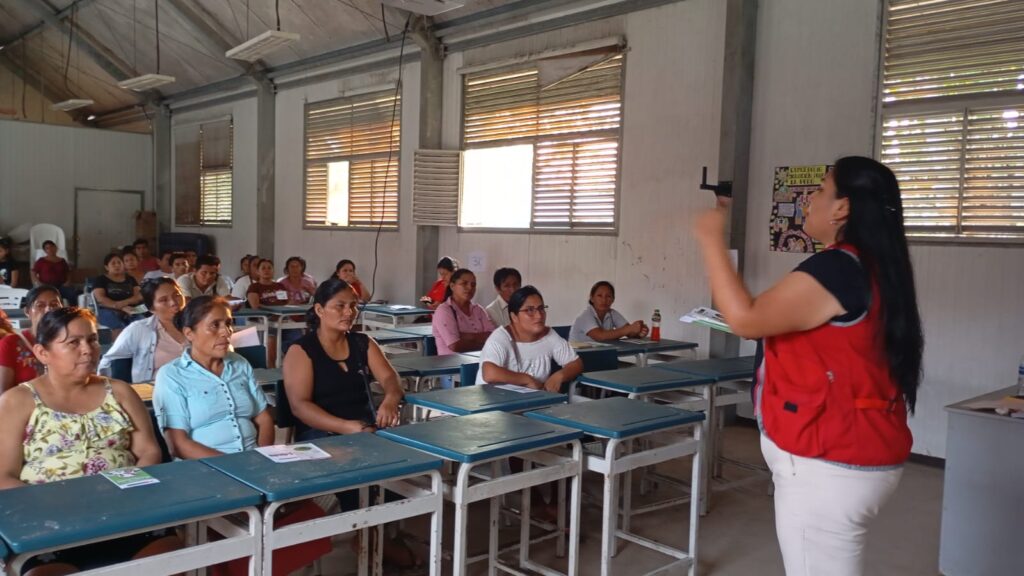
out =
column 138, row 342
column 216, row 411
column 587, row 321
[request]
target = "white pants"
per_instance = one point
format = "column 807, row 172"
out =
column 822, row 511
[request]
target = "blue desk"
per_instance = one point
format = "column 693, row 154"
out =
column 47, row 517
column 394, row 338
column 420, row 367
column 620, row 422
column 721, row 369
column 481, row 440
column 417, row 329
column 637, row 382
column 357, row 461
column 483, row 398
column 279, row 319
column 641, row 347
column 391, row 316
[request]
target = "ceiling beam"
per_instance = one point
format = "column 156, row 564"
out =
column 216, row 37
column 106, row 59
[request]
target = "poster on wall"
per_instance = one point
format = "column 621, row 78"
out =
column 791, row 190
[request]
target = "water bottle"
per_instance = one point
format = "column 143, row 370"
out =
column 1020, row 377
column 656, row 327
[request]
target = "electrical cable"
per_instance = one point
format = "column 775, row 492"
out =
column 156, row 10
column 391, row 151
column 277, row 11
column 71, row 37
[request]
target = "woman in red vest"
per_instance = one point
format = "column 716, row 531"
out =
column 839, row 365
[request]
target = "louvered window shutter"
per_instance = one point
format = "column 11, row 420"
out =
column 573, row 123
column 352, row 161
column 437, row 177
column 953, row 94
column 216, row 179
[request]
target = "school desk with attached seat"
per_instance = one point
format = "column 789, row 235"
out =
column 420, row 367
column 391, row 316
column 357, row 461
column 487, row 439
column 44, row 518
column 622, row 423
column 642, row 347
column 281, row 318
column 395, row 339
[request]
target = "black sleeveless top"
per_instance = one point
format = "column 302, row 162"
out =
column 338, row 391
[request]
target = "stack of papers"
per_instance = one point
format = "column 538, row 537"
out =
column 708, row 317
column 516, row 388
column 129, row 477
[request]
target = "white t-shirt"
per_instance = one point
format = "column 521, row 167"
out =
column 498, row 311
column 241, row 287
column 587, row 321
column 533, row 358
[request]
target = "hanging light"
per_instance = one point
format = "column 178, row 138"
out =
column 149, row 81
column 71, row 103
column 255, row 48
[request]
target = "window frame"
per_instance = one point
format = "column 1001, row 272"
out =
column 611, row 231
column 952, row 104
column 396, row 157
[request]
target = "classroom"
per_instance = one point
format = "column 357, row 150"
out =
column 465, row 287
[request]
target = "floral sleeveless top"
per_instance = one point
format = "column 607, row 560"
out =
column 58, row 445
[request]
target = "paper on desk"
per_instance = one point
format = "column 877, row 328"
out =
column 144, row 390
column 401, row 307
column 246, row 337
column 129, row 477
column 138, row 309
column 282, row 453
column 515, row 388
column 1004, row 404
column 708, row 317
column 585, row 345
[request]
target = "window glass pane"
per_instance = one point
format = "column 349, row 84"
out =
column 337, row 193
column 497, row 185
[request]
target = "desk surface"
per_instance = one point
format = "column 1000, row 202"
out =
column 616, row 417
column 392, row 336
column 389, row 310
column 647, row 346
column 962, row 406
column 717, row 368
column 421, row 330
column 412, row 365
column 248, row 312
column 61, row 513
column 268, row 376
column 355, row 459
column 484, row 398
column 480, row 437
column 643, row 380
column 288, row 310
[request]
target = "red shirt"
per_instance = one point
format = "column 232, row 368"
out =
column 14, row 355
column 52, row 273
column 273, row 294
column 436, row 293
column 149, row 264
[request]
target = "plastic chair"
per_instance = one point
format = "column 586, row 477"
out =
column 41, row 233
column 10, row 298
column 283, row 417
column 165, row 452
column 607, row 359
column 467, row 374
column 429, row 346
column 121, row 369
column 562, row 331
column 256, row 355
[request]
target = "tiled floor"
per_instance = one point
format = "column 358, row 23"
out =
column 737, row 538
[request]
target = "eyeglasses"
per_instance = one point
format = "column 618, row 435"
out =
column 534, row 310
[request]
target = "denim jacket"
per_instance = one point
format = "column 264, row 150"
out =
column 138, row 342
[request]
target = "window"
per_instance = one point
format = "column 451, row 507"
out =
column 203, row 183
column 952, row 97
column 352, row 161
column 542, row 144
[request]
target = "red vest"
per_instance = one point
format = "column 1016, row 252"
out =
column 827, row 392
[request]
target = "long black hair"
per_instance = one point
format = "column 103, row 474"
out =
column 56, row 322
column 324, row 292
column 875, row 227
column 518, row 298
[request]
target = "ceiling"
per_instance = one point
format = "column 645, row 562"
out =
column 116, row 39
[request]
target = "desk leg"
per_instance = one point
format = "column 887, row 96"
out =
column 495, row 508
column 560, row 523
column 436, row 524
column 609, row 522
column 459, row 551
column 708, row 428
column 627, row 494
column 697, row 486
column 574, row 511
column 526, row 502
column 364, row 536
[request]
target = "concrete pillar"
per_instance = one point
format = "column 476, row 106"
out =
column 163, row 170
column 266, row 96
column 431, row 107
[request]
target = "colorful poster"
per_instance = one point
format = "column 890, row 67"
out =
column 791, row 189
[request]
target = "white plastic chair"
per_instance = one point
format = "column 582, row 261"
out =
column 10, row 298
column 41, row 233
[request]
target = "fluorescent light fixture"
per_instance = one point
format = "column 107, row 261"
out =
column 145, row 82
column 91, row 117
column 72, row 104
column 425, row 7
column 256, row 48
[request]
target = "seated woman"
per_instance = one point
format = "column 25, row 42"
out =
column 6, row 329
column 599, row 322
column 155, row 341
column 522, row 352
column 346, row 270
column 17, row 362
column 116, row 294
column 53, row 270
column 326, row 372
column 459, row 324
column 207, row 401
column 249, row 275
column 69, row 422
column 264, row 291
column 297, row 283
column 131, row 266
column 445, row 267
